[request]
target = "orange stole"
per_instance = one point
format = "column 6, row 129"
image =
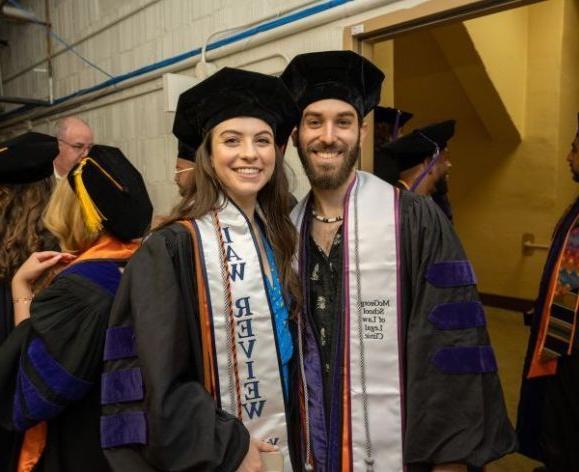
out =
column 32, row 447
column 209, row 381
column 346, row 409
column 34, row 442
column 107, row 247
column 539, row 366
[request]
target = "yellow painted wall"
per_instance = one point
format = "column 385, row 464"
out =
column 519, row 67
column 501, row 41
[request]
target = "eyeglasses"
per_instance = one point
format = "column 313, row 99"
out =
column 184, row 170
column 80, row 147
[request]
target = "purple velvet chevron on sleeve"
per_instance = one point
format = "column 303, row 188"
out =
column 19, row 420
column 123, row 428
column 37, row 406
column 120, row 343
column 451, row 274
column 54, row 375
column 457, row 315
column 465, row 360
column 122, row 386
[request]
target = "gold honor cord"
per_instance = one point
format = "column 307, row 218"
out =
column 92, row 215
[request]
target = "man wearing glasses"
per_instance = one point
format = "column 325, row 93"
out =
column 75, row 139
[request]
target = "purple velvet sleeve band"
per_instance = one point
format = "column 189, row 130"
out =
column 122, row 386
column 37, row 406
column 457, row 315
column 21, row 423
column 123, row 428
column 120, row 343
column 465, row 360
column 451, row 274
column 54, row 375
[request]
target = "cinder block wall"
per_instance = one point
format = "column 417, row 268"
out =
column 121, row 37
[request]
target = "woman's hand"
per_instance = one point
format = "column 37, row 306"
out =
column 27, row 274
column 37, row 264
column 252, row 460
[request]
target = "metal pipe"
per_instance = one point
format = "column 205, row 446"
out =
column 529, row 246
column 18, row 14
column 253, row 23
column 49, row 53
column 25, row 101
column 82, row 39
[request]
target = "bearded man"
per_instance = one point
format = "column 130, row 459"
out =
column 394, row 369
column 548, row 418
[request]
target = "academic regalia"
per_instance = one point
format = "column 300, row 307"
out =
column 548, row 416
column 159, row 317
column 415, row 148
column 390, row 120
column 78, row 301
column 410, row 379
column 198, row 345
column 50, row 364
column 24, row 159
column 448, row 405
column 184, row 151
column 27, row 158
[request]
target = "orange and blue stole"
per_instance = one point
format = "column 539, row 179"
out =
column 558, row 301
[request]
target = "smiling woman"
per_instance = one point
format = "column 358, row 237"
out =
column 208, row 293
column 243, row 156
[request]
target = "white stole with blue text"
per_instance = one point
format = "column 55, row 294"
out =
column 377, row 253
column 258, row 364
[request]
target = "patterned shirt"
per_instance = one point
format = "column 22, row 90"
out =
column 325, row 282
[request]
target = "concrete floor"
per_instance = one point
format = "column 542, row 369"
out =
column 509, row 337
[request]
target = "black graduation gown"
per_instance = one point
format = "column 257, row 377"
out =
column 447, row 417
column 9, row 440
column 548, row 416
column 50, row 368
column 181, row 428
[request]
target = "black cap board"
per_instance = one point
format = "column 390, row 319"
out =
column 231, row 93
column 342, row 75
column 27, row 158
column 411, row 149
column 186, row 152
column 112, row 193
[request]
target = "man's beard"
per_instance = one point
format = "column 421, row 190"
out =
column 328, row 178
column 575, row 175
column 441, row 186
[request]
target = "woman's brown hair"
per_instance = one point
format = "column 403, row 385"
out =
column 22, row 231
column 205, row 193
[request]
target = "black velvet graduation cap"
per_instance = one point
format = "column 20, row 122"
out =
column 343, row 75
column 411, row 149
column 440, row 133
column 230, row 93
column 27, row 158
column 186, row 152
column 112, row 193
column 388, row 115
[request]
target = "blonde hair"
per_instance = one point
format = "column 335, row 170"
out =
column 63, row 217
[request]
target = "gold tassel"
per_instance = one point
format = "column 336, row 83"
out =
column 93, row 218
